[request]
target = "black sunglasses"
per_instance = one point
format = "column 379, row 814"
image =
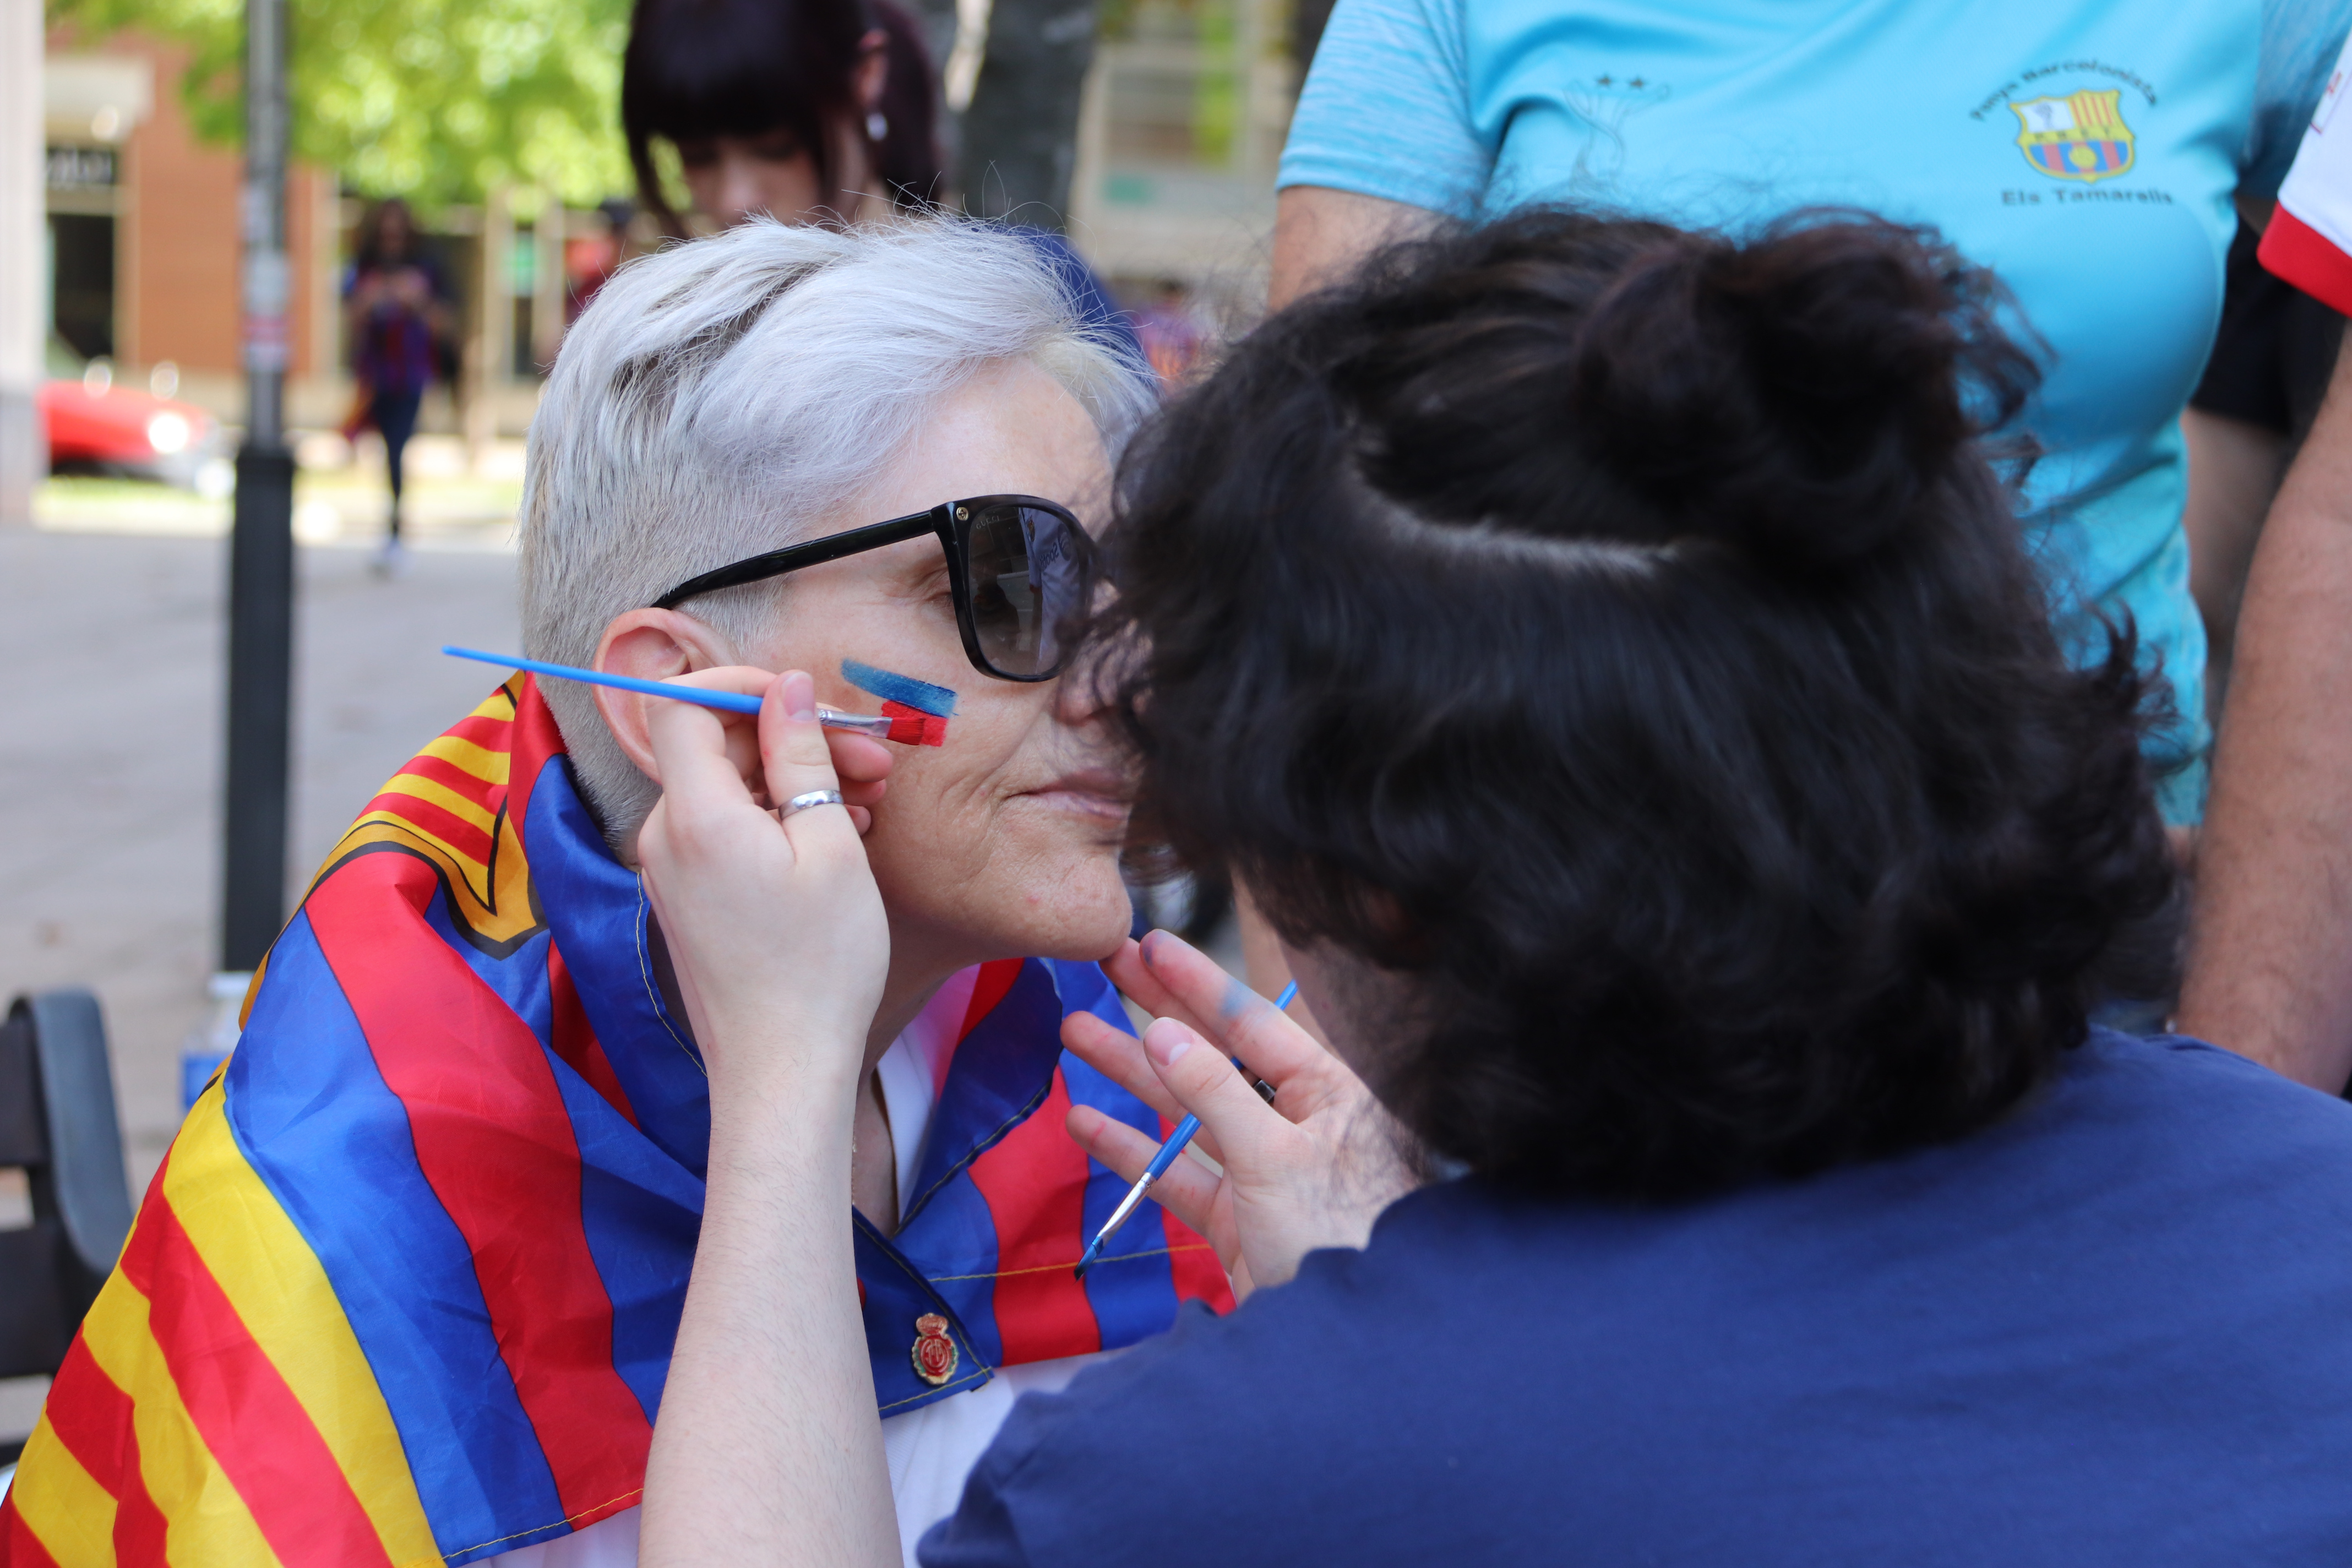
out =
column 1018, row 566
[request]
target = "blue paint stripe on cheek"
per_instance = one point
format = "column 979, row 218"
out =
column 892, row 687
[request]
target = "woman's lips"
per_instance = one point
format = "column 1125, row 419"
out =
column 1095, row 792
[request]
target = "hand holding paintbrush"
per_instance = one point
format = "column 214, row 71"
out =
column 1169, row 1151
column 1311, row 1169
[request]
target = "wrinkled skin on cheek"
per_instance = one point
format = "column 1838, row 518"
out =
column 1004, row 842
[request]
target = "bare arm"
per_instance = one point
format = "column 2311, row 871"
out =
column 2270, row 970
column 1320, row 233
column 769, row 1449
column 2234, row 468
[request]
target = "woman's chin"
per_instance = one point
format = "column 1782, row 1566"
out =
column 1079, row 924
column 1077, row 911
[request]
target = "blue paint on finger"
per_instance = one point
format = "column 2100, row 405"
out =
column 1236, row 1000
column 891, row 687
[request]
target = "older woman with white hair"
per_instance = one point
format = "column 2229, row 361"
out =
column 409, row 1284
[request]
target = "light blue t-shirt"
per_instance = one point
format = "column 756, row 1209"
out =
column 2085, row 150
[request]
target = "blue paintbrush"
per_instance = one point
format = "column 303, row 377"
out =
column 907, row 726
column 1177, row 1140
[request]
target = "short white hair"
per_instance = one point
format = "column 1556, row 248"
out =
column 723, row 397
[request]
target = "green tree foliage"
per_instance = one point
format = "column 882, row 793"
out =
column 438, row 100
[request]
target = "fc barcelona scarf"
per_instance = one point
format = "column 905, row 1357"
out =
column 405, row 1287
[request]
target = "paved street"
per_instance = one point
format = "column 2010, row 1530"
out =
column 110, row 680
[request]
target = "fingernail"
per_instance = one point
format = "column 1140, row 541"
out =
column 1159, row 945
column 799, row 695
column 1167, row 1040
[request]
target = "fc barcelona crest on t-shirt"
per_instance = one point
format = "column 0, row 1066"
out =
column 2081, row 136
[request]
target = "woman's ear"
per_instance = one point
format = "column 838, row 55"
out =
column 651, row 645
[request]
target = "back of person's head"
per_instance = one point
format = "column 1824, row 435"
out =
column 1620, row 634
column 701, row 68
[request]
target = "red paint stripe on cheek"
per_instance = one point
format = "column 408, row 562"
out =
column 913, row 727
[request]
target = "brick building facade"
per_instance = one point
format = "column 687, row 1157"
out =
column 143, row 224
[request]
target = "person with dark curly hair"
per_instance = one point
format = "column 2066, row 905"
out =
column 1608, row 654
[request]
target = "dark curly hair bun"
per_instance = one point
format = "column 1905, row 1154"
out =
column 1622, row 633
column 1802, row 394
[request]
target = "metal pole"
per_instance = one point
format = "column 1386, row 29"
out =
column 261, row 548
column 24, row 307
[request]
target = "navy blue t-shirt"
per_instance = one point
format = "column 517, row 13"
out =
column 2115, row 1330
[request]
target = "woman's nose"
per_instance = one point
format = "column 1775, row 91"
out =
column 1077, row 698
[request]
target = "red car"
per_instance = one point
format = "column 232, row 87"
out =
column 95, row 425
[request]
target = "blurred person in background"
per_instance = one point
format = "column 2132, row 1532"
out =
column 396, row 308
column 2094, row 163
column 1171, row 331
column 2270, row 957
column 803, row 110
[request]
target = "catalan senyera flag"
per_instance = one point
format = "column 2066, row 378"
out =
column 405, row 1287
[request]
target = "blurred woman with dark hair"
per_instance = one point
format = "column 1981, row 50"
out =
column 800, row 109
column 1607, row 655
column 804, row 111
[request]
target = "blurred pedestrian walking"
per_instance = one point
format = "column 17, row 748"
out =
column 396, row 301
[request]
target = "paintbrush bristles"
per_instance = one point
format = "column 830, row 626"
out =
column 913, row 727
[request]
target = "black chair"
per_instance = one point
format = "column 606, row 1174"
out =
column 57, row 1123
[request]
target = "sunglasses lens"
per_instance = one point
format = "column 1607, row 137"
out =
column 1030, row 570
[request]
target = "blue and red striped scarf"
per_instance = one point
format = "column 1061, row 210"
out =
column 405, row 1287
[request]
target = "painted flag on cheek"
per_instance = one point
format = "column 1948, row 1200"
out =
column 405, row 1287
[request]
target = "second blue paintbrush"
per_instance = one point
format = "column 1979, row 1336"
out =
column 1177, row 1140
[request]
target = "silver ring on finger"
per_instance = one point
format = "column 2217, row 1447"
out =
column 802, row 802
